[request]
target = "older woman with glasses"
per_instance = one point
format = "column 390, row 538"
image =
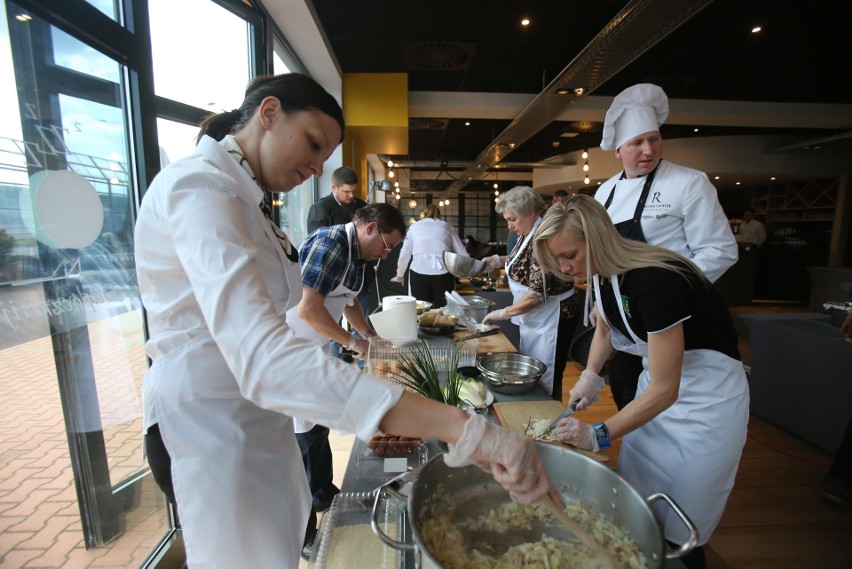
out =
column 543, row 305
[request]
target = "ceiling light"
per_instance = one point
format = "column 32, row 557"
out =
column 23, row 17
column 396, row 184
column 772, row 178
column 511, row 145
column 495, row 185
column 496, row 192
column 586, row 180
column 579, row 91
column 586, row 167
column 525, row 22
column 715, row 177
column 390, row 163
column 412, row 204
column 738, row 183
column 446, row 202
column 391, row 174
column 756, row 29
column 440, row 204
column 695, row 130
column 584, row 155
column 569, row 134
column 466, row 123
column 411, row 221
column 563, row 91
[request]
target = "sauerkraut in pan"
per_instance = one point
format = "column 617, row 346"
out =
column 460, row 544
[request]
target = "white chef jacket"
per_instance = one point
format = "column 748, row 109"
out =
column 227, row 372
column 425, row 242
column 682, row 214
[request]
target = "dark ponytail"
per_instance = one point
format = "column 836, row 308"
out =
column 296, row 92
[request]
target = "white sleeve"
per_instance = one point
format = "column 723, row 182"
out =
column 457, row 245
column 405, row 253
column 711, row 242
column 274, row 369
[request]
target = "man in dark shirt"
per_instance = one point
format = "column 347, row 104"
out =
column 338, row 207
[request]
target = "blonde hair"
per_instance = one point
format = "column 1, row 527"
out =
column 432, row 211
column 583, row 217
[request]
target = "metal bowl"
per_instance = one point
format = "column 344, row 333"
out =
column 511, row 374
column 461, row 265
column 477, row 307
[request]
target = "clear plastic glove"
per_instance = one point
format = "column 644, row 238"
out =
column 359, row 346
column 493, row 262
column 577, row 433
column 586, row 389
column 510, row 457
column 495, row 316
column 398, row 280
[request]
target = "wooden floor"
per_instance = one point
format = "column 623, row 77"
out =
column 775, row 517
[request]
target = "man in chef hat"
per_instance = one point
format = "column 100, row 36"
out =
column 657, row 202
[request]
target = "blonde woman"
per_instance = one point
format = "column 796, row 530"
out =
column 424, row 245
column 684, row 432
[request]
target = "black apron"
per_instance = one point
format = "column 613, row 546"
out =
column 632, row 228
column 624, row 368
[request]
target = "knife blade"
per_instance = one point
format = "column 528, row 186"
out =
column 572, row 408
column 478, row 335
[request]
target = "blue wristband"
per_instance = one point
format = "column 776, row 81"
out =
column 602, row 434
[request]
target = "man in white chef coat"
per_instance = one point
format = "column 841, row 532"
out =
column 658, row 202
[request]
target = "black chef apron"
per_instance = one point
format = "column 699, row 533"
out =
column 624, row 368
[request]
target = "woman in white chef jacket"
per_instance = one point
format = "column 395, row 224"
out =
column 228, row 374
column 684, row 432
column 424, row 245
column 544, row 307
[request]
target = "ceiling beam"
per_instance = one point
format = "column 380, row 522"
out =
column 632, row 32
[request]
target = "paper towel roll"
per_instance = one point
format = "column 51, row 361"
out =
column 398, row 318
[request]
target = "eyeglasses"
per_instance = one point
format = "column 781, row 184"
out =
column 387, row 249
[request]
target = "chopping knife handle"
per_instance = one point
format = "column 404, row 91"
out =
column 572, row 408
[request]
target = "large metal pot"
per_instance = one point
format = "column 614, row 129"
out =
column 510, row 373
column 437, row 486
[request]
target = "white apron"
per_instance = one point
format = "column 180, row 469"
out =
column 334, row 303
column 540, row 326
column 691, row 450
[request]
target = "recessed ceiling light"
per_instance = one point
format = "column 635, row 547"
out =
column 738, row 183
column 772, row 178
column 756, row 29
column 716, row 177
column 695, row 130
column 525, row 22
column 466, row 123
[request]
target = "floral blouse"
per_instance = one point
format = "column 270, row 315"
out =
column 527, row 271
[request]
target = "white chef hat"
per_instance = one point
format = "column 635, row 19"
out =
column 636, row 110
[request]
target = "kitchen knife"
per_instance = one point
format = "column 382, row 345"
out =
column 572, row 408
column 478, row 335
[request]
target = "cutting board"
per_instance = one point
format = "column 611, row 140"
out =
column 483, row 345
column 515, row 416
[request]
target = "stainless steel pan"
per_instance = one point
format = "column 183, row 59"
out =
column 578, row 477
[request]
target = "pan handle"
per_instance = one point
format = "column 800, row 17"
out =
column 389, row 488
column 693, row 531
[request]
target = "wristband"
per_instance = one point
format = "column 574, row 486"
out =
column 602, row 434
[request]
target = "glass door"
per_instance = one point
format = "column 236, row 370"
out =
column 71, row 324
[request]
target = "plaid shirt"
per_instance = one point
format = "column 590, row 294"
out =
column 324, row 260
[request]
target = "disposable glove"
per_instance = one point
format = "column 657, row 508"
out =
column 495, row 316
column 510, row 457
column 586, row 389
column 493, row 262
column 577, row 433
column 359, row 346
column 398, row 280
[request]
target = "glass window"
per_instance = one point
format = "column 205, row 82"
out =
column 176, row 140
column 215, row 76
column 105, row 6
column 71, row 325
